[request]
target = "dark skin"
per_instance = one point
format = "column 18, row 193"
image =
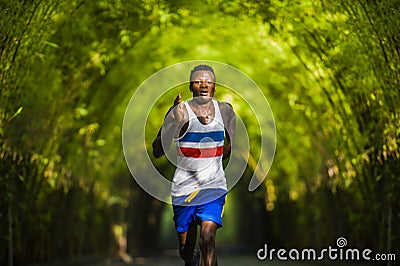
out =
column 175, row 125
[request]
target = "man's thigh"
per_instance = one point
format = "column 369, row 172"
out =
column 211, row 211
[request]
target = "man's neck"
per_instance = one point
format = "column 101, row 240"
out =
column 201, row 103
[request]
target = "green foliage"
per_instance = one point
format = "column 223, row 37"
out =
column 348, row 53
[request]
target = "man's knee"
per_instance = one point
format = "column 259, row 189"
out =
column 207, row 239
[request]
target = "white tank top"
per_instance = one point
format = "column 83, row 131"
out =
column 199, row 155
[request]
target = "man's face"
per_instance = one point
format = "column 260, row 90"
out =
column 203, row 85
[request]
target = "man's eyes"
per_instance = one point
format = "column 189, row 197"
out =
column 198, row 82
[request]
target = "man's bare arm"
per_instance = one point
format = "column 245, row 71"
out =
column 229, row 119
column 158, row 150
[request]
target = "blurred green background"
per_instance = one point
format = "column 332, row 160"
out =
column 329, row 69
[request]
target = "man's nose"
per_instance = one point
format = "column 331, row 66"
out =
column 204, row 83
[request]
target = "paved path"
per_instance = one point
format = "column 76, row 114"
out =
column 223, row 260
column 239, row 261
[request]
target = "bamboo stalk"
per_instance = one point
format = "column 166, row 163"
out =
column 10, row 235
column 389, row 234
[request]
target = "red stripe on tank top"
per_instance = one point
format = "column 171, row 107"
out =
column 200, row 153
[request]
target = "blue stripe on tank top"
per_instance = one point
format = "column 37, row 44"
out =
column 203, row 136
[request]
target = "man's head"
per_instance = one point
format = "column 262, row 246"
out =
column 200, row 68
column 202, row 81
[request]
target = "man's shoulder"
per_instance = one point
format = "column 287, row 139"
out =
column 226, row 109
column 225, row 106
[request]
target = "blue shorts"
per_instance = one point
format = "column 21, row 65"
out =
column 209, row 211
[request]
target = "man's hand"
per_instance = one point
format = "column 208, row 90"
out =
column 177, row 100
column 178, row 111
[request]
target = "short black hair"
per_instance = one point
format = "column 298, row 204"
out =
column 200, row 68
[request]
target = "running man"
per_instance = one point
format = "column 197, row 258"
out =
column 203, row 130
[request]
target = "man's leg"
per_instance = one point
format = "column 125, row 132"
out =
column 207, row 243
column 187, row 243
